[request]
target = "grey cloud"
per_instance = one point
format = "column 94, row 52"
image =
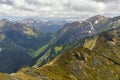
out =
column 106, row 1
column 58, row 7
column 25, row 9
column 82, row 6
column 36, row 2
column 8, row 2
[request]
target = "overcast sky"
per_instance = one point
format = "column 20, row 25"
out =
column 59, row 8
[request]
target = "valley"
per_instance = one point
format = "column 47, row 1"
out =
column 80, row 50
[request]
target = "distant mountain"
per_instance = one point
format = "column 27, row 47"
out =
column 18, row 43
column 76, row 30
column 37, row 48
column 76, row 33
column 45, row 26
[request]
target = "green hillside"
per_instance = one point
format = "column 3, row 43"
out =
column 99, row 63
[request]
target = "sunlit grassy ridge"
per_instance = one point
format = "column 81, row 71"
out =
column 77, row 64
column 90, row 43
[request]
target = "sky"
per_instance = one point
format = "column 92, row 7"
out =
column 59, row 8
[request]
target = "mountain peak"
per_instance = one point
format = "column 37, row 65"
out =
column 116, row 18
column 97, row 17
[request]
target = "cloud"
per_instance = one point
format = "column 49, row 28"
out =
column 106, row 1
column 8, row 2
column 59, row 8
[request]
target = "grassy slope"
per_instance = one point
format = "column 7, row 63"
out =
column 90, row 43
column 57, row 49
column 94, row 67
column 40, row 50
column 77, row 64
column 100, row 63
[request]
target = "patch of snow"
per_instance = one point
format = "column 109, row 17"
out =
column 92, row 28
column 80, row 22
column 89, row 31
column 96, row 22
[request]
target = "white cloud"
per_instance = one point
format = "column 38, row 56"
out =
column 62, row 8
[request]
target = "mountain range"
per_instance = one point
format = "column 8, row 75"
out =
column 81, row 50
column 45, row 26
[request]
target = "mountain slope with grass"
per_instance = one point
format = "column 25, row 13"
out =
column 37, row 48
column 92, row 26
column 18, row 43
column 75, row 33
column 101, row 62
